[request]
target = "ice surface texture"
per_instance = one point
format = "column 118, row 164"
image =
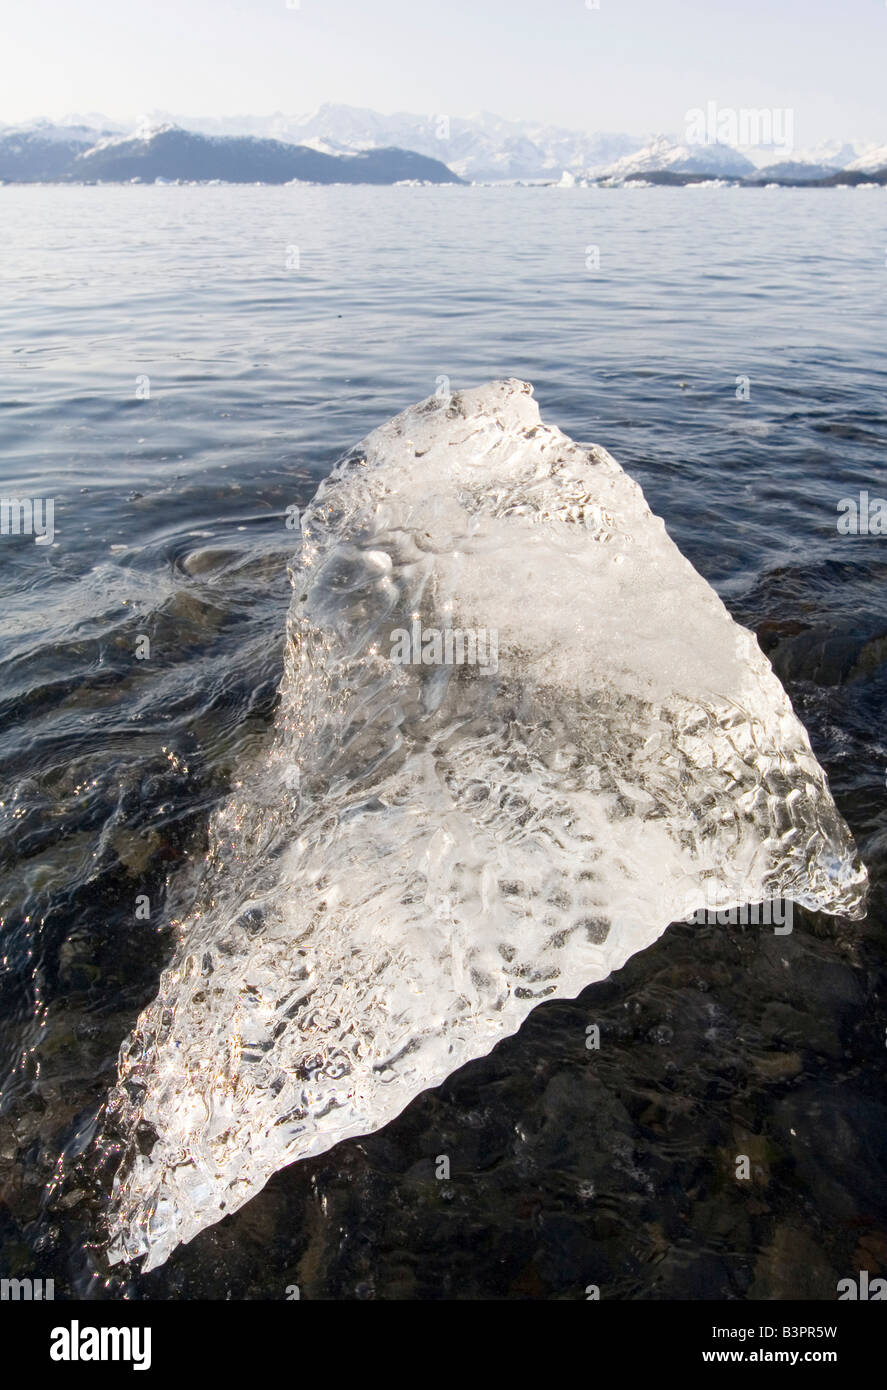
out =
column 427, row 851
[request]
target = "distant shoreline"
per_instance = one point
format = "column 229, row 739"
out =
column 664, row 179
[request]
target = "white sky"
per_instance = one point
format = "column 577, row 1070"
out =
column 633, row 65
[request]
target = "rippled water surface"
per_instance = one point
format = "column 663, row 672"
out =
column 569, row 1167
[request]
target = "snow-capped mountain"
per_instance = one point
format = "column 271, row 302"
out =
column 870, row 162
column 166, row 153
column 482, row 147
column 831, row 154
column 56, row 133
column 42, row 150
column 144, row 132
column 662, row 155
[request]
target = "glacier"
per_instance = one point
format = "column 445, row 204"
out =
column 427, row 850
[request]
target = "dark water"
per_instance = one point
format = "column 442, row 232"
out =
column 569, row 1167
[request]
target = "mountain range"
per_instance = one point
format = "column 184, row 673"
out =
column 345, row 144
column 170, row 154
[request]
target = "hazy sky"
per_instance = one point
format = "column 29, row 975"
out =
column 634, row 65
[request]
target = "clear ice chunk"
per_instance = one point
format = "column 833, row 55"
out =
column 427, row 851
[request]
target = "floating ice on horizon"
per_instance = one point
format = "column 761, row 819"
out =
column 428, row 851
